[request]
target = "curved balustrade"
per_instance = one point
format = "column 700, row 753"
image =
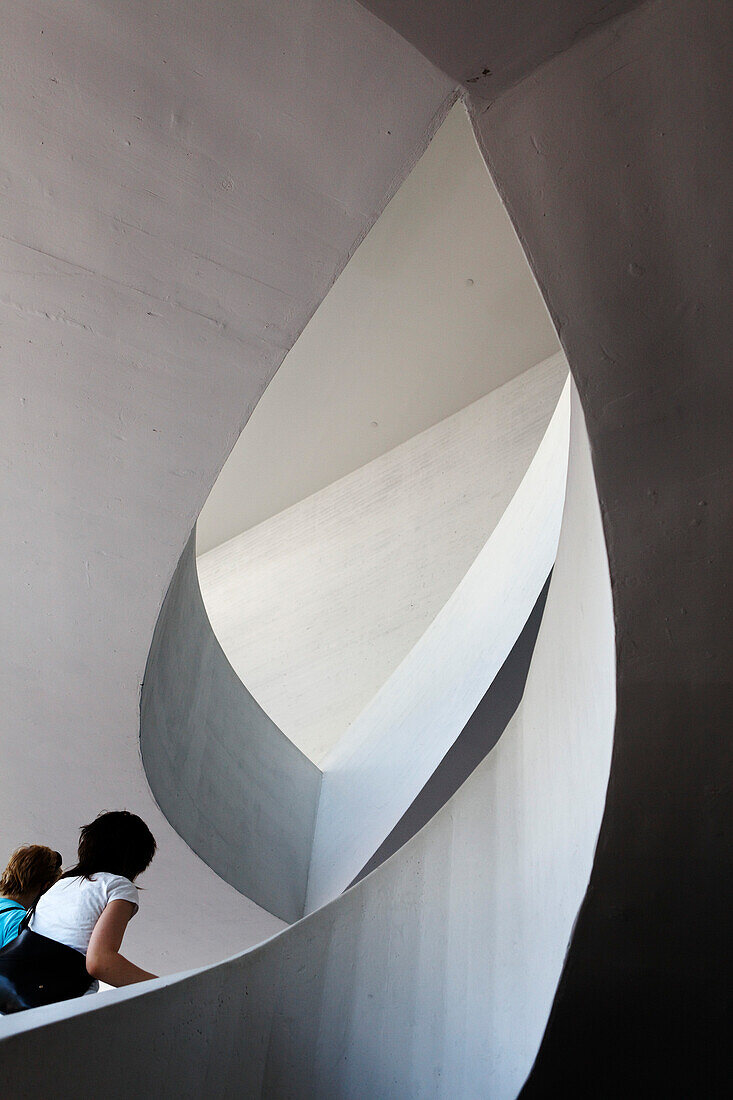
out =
column 387, row 755
column 434, row 975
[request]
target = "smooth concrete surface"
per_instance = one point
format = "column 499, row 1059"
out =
column 230, row 783
column 476, row 740
column 317, row 607
column 615, row 160
column 432, row 977
column 384, row 759
column 436, row 308
column 181, row 184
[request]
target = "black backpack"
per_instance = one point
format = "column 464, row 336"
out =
column 35, row 970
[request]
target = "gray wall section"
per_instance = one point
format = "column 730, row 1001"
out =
column 615, row 160
column 231, row 784
column 482, row 731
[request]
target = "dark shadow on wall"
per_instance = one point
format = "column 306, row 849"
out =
column 481, row 733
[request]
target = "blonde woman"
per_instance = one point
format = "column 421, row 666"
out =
column 29, row 873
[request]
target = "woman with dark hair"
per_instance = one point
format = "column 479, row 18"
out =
column 90, row 906
column 29, row 873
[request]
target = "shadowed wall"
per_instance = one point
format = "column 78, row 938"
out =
column 239, row 792
column 615, row 162
column 614, row 158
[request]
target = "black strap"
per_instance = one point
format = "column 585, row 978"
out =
column 26, row 922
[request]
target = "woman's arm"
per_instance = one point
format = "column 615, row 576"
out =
column 103, row 954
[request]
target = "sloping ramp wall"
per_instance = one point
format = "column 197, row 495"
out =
column 237, row 790
column 477, row 739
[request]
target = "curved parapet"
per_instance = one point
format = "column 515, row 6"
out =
column 387, row 755
column 231, row 784
column 477, row 739
column 434, row 975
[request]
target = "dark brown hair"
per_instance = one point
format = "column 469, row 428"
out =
column 117, row 841
column 31, row 869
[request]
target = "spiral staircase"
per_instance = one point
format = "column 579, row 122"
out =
column 182, row 184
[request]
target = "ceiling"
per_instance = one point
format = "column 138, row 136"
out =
column 436, row 308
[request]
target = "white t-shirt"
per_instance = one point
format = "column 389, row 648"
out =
column 69, row 911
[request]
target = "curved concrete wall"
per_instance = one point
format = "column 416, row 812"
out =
column 436, row 308
column 432, row 977
column 230, row 783
column 611, row 158
column 387, row 755
column 242, row 795
column 181, row 184
column 476, row 740
column 614, row 157
column 631, row 243
column 317, row 607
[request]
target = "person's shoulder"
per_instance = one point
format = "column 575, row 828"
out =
column 11, row 919
column 9, row 905
column 117, row 887
column 107, row 879
column 11, row 914
column 61, row 886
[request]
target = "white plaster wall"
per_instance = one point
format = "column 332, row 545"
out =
column 387, row 755
column 434, row 976
column 316, row 607
column 180, row 183
column 437, row 308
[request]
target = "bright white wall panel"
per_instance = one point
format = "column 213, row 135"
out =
column 387, row 755
column 435, row 309
column 316, row 607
